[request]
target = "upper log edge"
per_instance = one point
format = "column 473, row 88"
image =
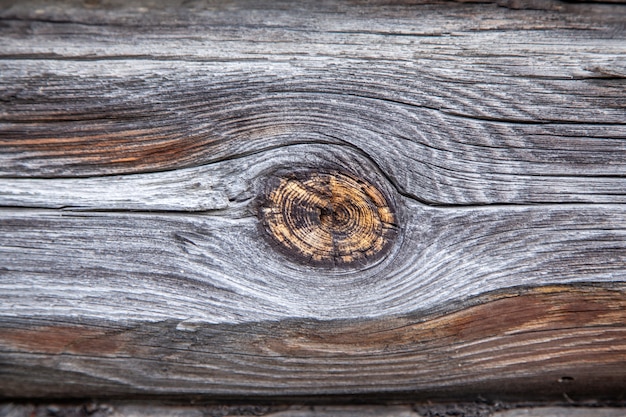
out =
column 449, row 119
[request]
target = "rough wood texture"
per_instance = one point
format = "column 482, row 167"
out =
column 139, row 144
column 549, row 343
column 116, row 409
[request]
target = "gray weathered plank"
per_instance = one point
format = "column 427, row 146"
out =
column 138, row 143
column 442, row 254
column 536, row 117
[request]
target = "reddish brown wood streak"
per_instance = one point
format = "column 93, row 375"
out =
column 540, row 310
column 525, row 340
column 62, row 339
column 547, row 309
column 122, row 152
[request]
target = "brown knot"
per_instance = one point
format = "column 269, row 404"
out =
column 328, row 219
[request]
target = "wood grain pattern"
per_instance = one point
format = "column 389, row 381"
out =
column 546, row 343
column 328, row 219
column 138, row 143
column 538, row 117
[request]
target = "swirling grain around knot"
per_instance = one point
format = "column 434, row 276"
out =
column 328, row 219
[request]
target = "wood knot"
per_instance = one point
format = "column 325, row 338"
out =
column 328, row 219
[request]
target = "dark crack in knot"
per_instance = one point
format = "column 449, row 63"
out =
column 328, row 219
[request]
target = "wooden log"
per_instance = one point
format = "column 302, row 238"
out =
column 543, row 343
column 251, row 200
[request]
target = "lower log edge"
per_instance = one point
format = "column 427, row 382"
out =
column 545, row 343
column 156, row 408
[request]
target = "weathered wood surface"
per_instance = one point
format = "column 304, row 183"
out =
column 138, row 148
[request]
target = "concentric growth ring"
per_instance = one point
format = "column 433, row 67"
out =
column 328, row 219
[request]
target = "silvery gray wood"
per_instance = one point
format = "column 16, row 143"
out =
column 154, row 265
column 498, row 132
column 537, row 117
column 561, row 412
